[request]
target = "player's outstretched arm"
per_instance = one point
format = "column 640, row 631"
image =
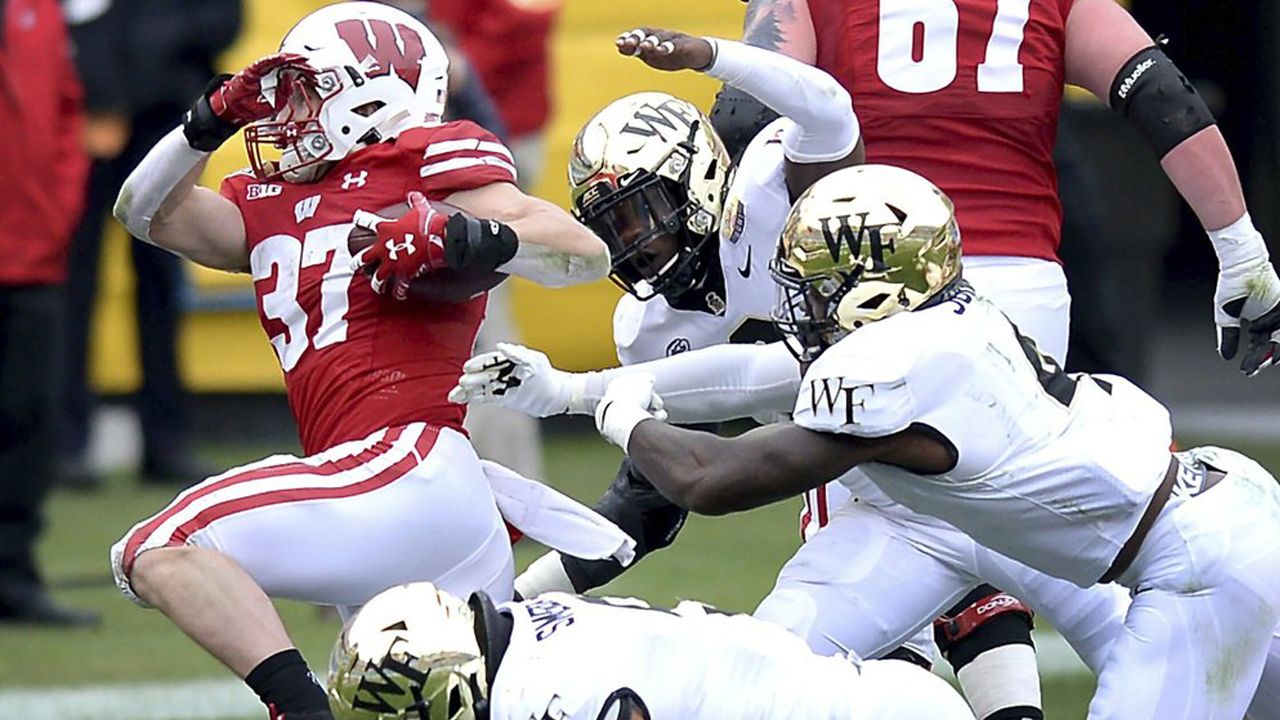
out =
column 825, row 135
column 1110, row 55
column 160, row 201
column 554, row 249
column 712, row 384
column 711, row 475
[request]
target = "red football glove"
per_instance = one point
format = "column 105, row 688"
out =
column 406, row 249
column 239, row 101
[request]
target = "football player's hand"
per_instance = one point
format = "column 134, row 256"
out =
column 519, row 378
column 628, row 401
column 1246, row 305
column 240, row 100
column 405, row 249
column 667, row 49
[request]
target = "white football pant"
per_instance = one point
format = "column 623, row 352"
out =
column 407, row 503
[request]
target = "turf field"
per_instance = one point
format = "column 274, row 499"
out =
column 67, row 675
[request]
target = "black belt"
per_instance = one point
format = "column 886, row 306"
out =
column 1188, row 479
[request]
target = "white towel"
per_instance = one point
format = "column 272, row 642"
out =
column 556, row 520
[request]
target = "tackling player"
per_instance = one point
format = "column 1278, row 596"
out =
column 350, row 108
column 415, row 651
column 641, row 166
column 912, row 376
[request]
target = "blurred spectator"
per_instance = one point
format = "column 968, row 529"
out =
column 142, row 62
column 507, row 43
column 40, row 199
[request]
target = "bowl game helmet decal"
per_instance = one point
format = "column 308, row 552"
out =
column 410, row 654
column 860, row 245
column 376, row 71
column 648, row 174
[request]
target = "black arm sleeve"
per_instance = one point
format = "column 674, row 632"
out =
column 634, row 505
column 1153, row 94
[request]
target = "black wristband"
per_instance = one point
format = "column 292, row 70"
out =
column 473, row 244
column 204, row 130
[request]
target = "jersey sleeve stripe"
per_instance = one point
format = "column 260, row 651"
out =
column 444, row 147
column 450, row 165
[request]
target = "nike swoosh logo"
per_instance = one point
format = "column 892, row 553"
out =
column 745, row 270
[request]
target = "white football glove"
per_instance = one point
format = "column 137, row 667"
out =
column 1247, row 298
column 520, row 378
column 628, row 401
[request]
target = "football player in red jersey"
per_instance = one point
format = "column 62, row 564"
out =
column 966, row 93
column 390, row 490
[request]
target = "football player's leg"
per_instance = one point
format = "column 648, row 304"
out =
column 634, row 505
column 1199, row 631
column 859, row 585
column 335, row 528
column 1266, row 700
column 987, row 639
column 1090, row 619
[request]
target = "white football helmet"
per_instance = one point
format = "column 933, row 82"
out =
column 378, row 72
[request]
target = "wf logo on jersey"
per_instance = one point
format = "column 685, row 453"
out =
column 390, row 49
column 826, row 394
column 386, row 682
column 548, row 616
column 843, row 235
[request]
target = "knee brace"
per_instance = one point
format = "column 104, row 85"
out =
column 1154, row 95
column 986, row 618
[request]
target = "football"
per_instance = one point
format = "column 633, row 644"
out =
column 442, row 286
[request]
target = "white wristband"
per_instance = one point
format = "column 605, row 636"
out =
column 1239, row 243
column 617, row 420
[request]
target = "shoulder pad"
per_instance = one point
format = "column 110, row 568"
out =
column 857, row 388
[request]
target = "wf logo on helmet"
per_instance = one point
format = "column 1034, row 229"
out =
column 844, row 235
column 649, row 118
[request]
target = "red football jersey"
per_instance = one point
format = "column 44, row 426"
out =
column 355, row 361
column 966, row 93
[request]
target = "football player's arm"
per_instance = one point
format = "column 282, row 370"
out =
column 553, row 249
column 1109, row 54
column 712, row 475
column 161, row 204
column 723, row 382
column 824, row 136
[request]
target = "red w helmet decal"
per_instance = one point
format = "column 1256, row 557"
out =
column 385, row 51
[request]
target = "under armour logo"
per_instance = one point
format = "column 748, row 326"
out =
column 394, row 248
column 351, row 180
column 306, row 208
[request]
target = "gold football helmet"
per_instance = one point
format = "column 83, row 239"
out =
column 859, row 245
column 411, row 653
column 648, row 174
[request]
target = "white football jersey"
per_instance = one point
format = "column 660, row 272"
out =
column 1053, row 470
column 569, row 654
column 756, row 207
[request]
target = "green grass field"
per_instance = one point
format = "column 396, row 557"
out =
column 729, row 562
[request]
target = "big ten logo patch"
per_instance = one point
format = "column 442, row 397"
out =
column 256, row 191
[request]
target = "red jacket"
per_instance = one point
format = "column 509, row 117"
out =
column 42, row 166
column 507, row 44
